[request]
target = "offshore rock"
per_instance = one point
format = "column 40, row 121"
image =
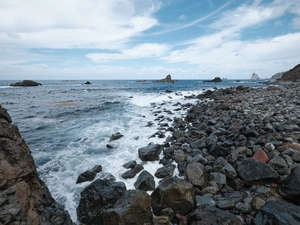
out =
column 256, row 172
column 26, row 83
column 168, row 79
column 174, row 193
column 115, row 136
column 278, row 212
column 216, row 79
column 24, row 198
column 96, row 198
column 133, row 208
column 212, row 215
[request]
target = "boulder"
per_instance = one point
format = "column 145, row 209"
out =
column 211, row 215
column 196, row 174
column 166, row 171
column 133, row 208
column 24, row 198
column 89, row 175
column 278, row 212
column 26, row 83
column 115, row 136
column 145, row 182
column 150, row 152
column 174, row 193
column 289, row 188
column 255, row 172
column 131, row 173
column 96, row 198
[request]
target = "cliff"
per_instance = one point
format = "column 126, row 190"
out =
column 292, row 74
column 24, row 198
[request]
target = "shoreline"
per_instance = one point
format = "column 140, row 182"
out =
column 217, row 137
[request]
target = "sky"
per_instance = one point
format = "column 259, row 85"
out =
column 147, row 39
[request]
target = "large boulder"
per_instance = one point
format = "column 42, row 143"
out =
column 133, row 208
column 24, row 198
column 256, row 172
column 96, row 198
column 145, row 182
column 289, row 188
column 174, row 193
column 26, row 83
column 278, row 212
column 150, row 152
column 196, row 174
column 212, row 215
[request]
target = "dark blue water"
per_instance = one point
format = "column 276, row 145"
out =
column 67, row 125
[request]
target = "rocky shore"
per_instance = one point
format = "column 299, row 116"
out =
column 237, row 154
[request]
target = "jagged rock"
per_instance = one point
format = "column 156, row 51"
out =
column 168, row 79
column 174, row 193
column 254, row 76
column 150, row 152
column 216, row 79
column 26, row 83
column 96, row 198
column 24, row 198
column 115, row 136
column 130, row 165
column 133, row 208
column 256, row 172
column 289, row 188
column 278, row 212
column 131, row 173
column 292, row 74
column 212, row 215
column 89, row 175
column 196, row 174
column 145, row 182
column 166, row 171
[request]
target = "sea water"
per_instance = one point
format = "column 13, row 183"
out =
column 67, row 125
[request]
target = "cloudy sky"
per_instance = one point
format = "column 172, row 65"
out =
column 147, row 39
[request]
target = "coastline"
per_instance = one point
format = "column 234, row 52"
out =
column 218, row 137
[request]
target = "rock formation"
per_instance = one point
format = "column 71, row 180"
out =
column 168, row 79
column 24, row 198
column 216, row 79
column 26, row 83
column 291, row 75
column 254, row 76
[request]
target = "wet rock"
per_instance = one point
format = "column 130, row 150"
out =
column 26, row 83
column 166, row 171
column 88, row 175
column 289, row 188
column 96, row 198
column 278, row 212
column 145, row 182
column 212, row 215
column 116, row 136
column 131, row 173
column 130, row 164
column 150, row 152
column 133, row 208
column 256, row 172
column 174, row 193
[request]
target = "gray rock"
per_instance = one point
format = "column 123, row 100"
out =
column 225, row 204
column 166, row 171
column 131, row 173
column 205, row 200
column 196, row 174
column 145, row 182
column 277, row 161
column 116, row 136
column 257, row 203
column 218, row 177
column 88, row 175
column 289, row 188
column 150, row 152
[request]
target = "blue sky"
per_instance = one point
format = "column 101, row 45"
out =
column 147, row 39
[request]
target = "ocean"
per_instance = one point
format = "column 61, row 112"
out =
column 67, row 125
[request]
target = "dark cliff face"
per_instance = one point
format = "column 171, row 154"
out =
column 24, row 198
column 292, row 75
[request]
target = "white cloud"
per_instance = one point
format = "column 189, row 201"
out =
column 140, row 51
column 296, row 23
column 74, row 23
column 182, row 17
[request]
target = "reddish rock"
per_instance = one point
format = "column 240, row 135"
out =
column 260, row 155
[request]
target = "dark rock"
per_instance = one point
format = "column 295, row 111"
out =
column 87, row 82
column 150, row 152
column 130, row 164
column 291, row 75
column 97, row 168
column 168, row 79
column 133, row 208
column 166, row 171
column 131, row 173
column 196, row 174
column 289, row 188
column 96, row 198
column 174, row 193
column 116, row 136
column 217, row 150
column 278, row 212
column 256, row 172
column 216, row 79
column 88, row 175
column 145, row 182
column 24, row 198
column 212, row 215
column 26, row 83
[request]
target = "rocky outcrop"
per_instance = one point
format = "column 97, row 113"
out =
column 26, row 83
column 277, row 75
column 254, row 76
column 216, row 79
column 24, row 198
column 168, row 79
column 291, row 75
